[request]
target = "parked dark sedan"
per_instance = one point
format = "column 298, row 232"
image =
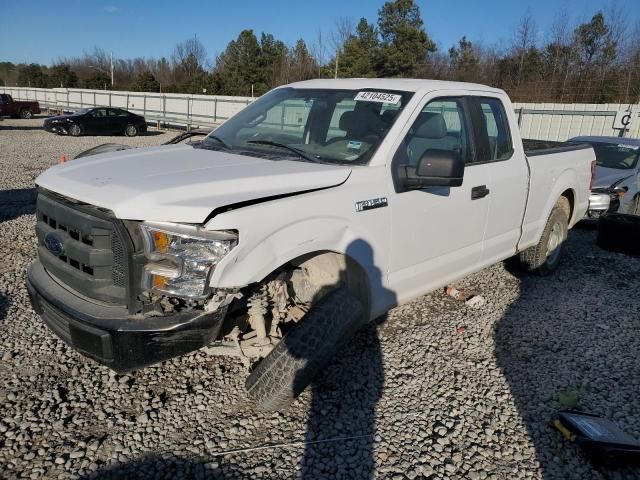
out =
column 97, row 121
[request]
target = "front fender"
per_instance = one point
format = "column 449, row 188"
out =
column 254, row 258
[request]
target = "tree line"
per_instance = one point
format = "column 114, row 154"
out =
column 596, row 61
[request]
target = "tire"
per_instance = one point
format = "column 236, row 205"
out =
column 74, row 130
column 544, row 257
column 130, row 130
column 305, row 350
column 635, row 206
column 618, row 232
column 26, row 114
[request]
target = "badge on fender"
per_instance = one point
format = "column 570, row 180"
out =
column 364, row 205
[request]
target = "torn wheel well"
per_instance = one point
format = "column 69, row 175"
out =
column 319, row 272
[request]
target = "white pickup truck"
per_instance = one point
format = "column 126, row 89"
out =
column 317, row 208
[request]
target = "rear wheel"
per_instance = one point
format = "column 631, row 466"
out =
column 74, row 130
column 26, row 113
column 544, row 257
column 305, row 350
column 130, row 130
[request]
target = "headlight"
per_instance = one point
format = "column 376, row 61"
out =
column 181, row 257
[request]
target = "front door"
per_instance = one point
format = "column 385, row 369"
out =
column 437, row 232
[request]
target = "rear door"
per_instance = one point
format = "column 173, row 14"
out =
column 118, row 119
column 437, row 232
column 508, row 182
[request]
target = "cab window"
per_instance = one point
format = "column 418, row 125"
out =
column 441, row 125
column 492, row 130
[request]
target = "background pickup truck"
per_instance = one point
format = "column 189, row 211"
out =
column 314, row 210
column 11, row 108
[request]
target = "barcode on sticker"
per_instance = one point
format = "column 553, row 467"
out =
column 379, row 97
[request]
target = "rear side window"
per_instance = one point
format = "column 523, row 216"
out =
column 491, row 128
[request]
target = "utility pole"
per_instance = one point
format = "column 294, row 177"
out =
column 337, row 58
column 111, row 71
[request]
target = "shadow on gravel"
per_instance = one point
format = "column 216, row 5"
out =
column 341, row 424
column 20, row 127
column 17, row 202
column 571, row 341
column 159, row 467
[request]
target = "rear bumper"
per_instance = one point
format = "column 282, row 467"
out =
column 108, row 335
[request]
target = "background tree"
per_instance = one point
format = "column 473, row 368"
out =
column 189, row 58
column 239, row 66
column 593, row 61
column 61, row 76
column 33, row 75
column 146, row 82
column 405, row 44
column 360, row 52
column 98, row 81
column 464, row 61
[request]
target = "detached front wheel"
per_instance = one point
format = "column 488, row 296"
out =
column 544, row 257
column 306, row 350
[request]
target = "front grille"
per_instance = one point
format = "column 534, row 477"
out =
column 93, row 256
column 118, row 272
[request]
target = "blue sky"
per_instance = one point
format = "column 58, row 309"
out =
column 146, row 28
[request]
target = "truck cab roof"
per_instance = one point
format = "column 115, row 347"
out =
column 402, row 84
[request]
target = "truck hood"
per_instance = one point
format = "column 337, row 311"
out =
column 606, row 177
column 181, row 183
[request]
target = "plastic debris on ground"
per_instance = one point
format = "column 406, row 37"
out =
column 601, row 439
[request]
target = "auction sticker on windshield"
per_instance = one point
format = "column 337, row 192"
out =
column 379, row 97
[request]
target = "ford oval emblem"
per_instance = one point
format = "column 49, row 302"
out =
column 54, row 243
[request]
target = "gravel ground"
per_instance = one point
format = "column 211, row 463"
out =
column 434, row 390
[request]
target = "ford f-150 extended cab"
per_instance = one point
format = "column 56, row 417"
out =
column 14, row 108
column 315, row 209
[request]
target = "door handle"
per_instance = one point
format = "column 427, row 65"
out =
column 480, row 191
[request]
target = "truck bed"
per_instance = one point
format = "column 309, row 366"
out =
column 534, row 147
column 558, row 167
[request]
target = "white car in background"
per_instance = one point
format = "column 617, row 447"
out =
column 616, row 187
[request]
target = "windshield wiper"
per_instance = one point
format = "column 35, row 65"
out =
column 295, row 150
column 217, row 139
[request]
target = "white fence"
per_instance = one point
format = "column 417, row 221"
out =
column 167, row 108
column 542, row 121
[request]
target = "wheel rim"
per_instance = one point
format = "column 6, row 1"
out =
column 554, row 243
column 74, row 130
column 131, row 130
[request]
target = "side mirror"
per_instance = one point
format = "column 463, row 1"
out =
column 436, row 168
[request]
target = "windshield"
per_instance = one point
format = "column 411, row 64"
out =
column 610, row 155
column 82, row 111
column 323, row 125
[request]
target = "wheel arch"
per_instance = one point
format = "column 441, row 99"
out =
column 570, row 195
column 321, row 244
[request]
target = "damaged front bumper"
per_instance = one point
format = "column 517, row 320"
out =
column 109, row 335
